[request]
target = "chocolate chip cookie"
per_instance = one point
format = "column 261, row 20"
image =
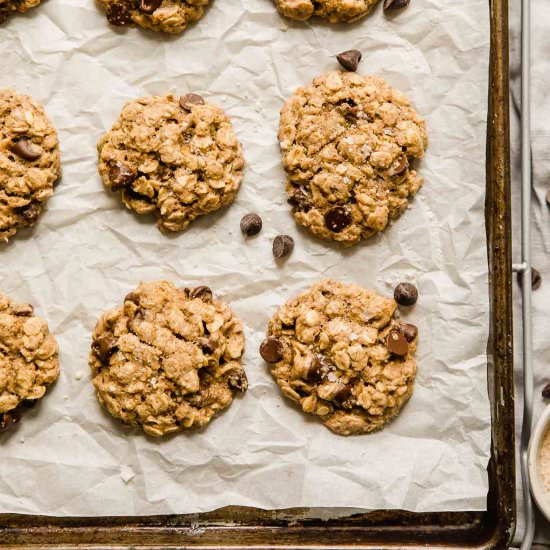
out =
column 178, row 158
column 29, row 161
column 9, row 7
column 28, row 358
column 338, row 352
column 334, row 11
column 170, row 16
column 168, row 359
column 349, row 143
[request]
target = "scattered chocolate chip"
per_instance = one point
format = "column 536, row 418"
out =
column 399, row 166
column 26, row 150
column 271, row 350
column 251, row 224
column 342, row 393
column 283, row 245
column 132, row 297
column 405, row 294
column 397, row 343
column 29, row 213
column 337, row 219
column 149, row 6
column 300, row 200
column 118, row 14
column 390, row 5
column 121, row 175
column 349, row 59
column 190, row 99
column 7, row 419
column 202, row 292
column 536, row 279
column 409, row 331
column 104, row 347
column 237, row 380
column 546, row 391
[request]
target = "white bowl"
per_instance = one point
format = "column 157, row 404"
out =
column 542, row 497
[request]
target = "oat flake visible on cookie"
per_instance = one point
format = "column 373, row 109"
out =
column 338, row 352
column 349, row 143
column 28, row 356
column 29, row 161
column 178, row 158
column 172, row 16
column 334, row 11
column 168, row 359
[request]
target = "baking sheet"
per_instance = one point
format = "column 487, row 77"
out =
column 67, row 456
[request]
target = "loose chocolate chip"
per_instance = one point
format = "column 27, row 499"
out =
column 349, row 59
column 202, row 292
column 29, row 213
column 7, row 420
column 536, row 279
column 409, row 331
column 237, row 380
column 271, row 350
column 118, row 14
column 121, row 176
column 104, row 347
column 342, row 394
column 283, row 245
column 546, row 391
column 149, row 6
column 251, row 224
column 26, row 150
column 337, row 219
column 300, row 201
column 190, row 99
column 395, row 4
column 132, row 297
column 399, row 166
column 405, row 294
column 397, row 343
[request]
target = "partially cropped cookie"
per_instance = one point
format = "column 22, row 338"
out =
column 168, row 359
column 9, row 7
column 172, row 16
column 29, row 161
column 177, row 158
column 349, row 145
column 338, row 351
column 334, row 11
column 28, row 358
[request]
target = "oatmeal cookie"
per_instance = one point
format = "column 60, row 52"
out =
column 9, row 7
column 172, row 16
column 178, row 158
column 338, row 352
column 349, row 143
column 334, row 11
column 28, row 358
column 29, row 161
column 168, row 359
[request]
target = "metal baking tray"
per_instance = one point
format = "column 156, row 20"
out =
column 239, row 527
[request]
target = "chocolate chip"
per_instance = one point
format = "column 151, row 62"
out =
column 409, row 331
column 300, row 201
column 29, row 213
column 118, row 14
column 202, row 292
column 283, row 245
column 207, row 345
column 26, row 150
column 342, row 394
column 395, row 4
column 314, row 372
column 149, row 6
column 237, row 380
column 536, row 279
column 349, row 59
column 190, row 99
column 405, row 294
column 121, row 176
column 132, row 297
column 397, row 343
column 104, row 347
column 251, row 224
column 546, row 391
column 271, row 350
column 337, row 219
column 7, row 419
column 399, row 166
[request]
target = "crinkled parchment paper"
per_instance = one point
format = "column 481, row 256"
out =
column 67, row 457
